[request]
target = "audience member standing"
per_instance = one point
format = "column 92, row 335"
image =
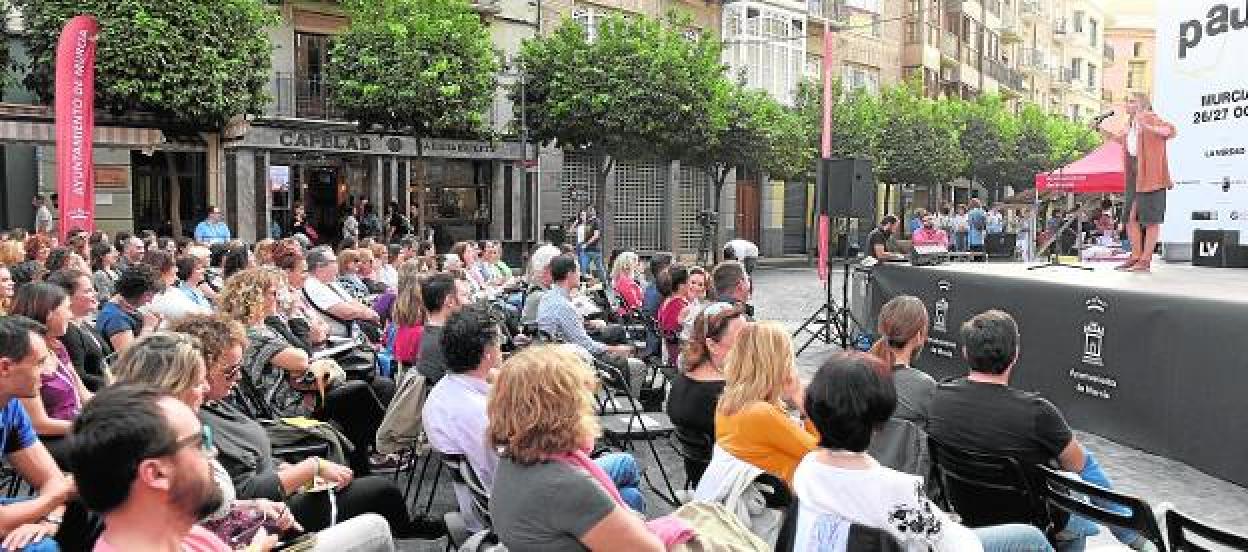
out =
column 212, row 229
column 742, row 250
column 44, row 222
column 977, row 226
column 593, row 246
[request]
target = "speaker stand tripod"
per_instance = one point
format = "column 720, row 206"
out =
column 831, row 323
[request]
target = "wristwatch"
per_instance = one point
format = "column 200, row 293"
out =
column 53, row 520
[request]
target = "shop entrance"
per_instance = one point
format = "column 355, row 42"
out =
column 170, row 190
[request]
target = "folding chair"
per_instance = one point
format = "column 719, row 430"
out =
column 988, row 489
column 1178, row 525
column 464, row 476
column 1068, row 493
column 621, row 428
column 695, row 449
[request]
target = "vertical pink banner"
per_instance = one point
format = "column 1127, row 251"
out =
column 75, row 124
column 823, row 248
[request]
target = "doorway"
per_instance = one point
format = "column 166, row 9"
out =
column 748, row 227
column 164, row 180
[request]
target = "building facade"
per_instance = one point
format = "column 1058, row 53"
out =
column 1131, row 39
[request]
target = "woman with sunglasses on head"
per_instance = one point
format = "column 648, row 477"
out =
column 696, row 389
column 173, row 363
column 246, row 451
column 61, row 392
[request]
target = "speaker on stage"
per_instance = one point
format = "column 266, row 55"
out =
column 1218, row 249
column 846, row 188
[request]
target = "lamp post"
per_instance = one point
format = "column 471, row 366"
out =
column 533, row 203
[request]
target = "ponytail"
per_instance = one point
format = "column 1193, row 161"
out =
column 884, row 352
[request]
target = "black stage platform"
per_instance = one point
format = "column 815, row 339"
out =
column 1156, row 361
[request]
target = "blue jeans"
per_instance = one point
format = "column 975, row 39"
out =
column 1079, row 528
column 45, row 544
column 1013, row 537
column 581, row 259
column 593, row 265
column 622, row 468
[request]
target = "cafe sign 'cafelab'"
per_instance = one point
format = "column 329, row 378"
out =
column 376, row 144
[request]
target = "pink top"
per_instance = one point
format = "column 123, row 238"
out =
column 669, row 323
column 407, row 343
column 198, row 540
column 628, row 290
column 930, row 236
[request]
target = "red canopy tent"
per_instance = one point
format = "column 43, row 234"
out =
column 1100, row 171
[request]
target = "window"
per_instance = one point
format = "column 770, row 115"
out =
column 1137, row 72
column 1079, row 21
column 590, row 18
column 1091, row 75
column 1092, row 31
column 764, row 44
column 1137, row 49
column 1076, row 68
column 856, row 77
column 912, row 32
column 875, row 25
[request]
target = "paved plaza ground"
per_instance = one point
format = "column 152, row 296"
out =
column 789, row 295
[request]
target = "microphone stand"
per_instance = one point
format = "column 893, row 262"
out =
column 1055, row 258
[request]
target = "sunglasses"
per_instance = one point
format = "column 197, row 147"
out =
column 716, row 316
column 203, row 437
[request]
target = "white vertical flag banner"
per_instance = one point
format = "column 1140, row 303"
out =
column 1201, row 86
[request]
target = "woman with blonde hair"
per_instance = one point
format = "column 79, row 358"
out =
column 624, row 281
column 541, row 417
column 903, row 332
column 174, row 363
column 282, row 373
column 751, row 421
column 350, row 270
column 407, row 314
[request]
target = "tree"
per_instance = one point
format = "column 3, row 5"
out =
column 420, row 66
column 1031, row 150
column 640, row 89
column 857, row 118
column 193, row 65
column 919, row 140
column 987, row 136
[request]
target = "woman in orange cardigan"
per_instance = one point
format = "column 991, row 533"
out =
column 1148, row 178
column 751, row 421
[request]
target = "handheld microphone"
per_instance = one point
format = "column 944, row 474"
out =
column 1097, row 120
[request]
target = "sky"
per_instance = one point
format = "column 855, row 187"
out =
column 1132, row 13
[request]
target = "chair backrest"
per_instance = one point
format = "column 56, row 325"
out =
column 1178, row 525
column 861, row 537
column 463, row 474
column 691, row 445
column 987, row 489
column 1068, row 493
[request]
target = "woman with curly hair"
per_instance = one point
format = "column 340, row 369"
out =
column 307, row 329
column 246, row 451
column 104, row 273
column 541, row 418
column 37, row 247
column 287, row 382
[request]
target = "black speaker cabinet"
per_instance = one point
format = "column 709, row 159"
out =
column 846, row 188
column 1219, row 249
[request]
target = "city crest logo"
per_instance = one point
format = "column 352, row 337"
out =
column 1093, row 344
column 941, row 316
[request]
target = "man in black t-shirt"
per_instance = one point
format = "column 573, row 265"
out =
column 982, row 412
column 877, row 240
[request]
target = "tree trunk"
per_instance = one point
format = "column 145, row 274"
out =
column 606, row 217
column 175, row 196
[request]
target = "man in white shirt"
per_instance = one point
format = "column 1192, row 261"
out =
column 328, row 299
column 744, row 251
column 43, row 215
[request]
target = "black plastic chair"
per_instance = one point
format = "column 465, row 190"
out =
column 1178, row 525
column 695, row 449
column 1068, row 493
column 622, row 428
column 463, row 475
column 988, row 489
column 861, row 537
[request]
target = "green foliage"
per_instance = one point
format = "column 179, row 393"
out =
column 424, row 66
column 919, row 143
column 640, row 89
column 857, row 118
column 193, row 64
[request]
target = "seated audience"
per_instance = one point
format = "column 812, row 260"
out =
column 469, row 256
column 733, row 285
column 142, row 460
column 169, row 303
column 677, row 295
column 442, row 295
column 492, row 260
column 652, row 299
column 104, row 273
column 34, row 520
column 407, row 315
column 696, row 389
column 367, row 268
column 751, row 421
column 244, row 448
column 903, row 333
column 539, row 281
column 86, row 347
column 982, row 412
column 237, row 257
column 455, row 416
column 335, row 306
column 7, row 289
column 61, row 391
column 388, row 272
column 839, row 483
column 132, row 250
column 547, row 493
column 307, row 329
column 122, row 319
column 172, row 363
column 349, row 273
column 190, row 272
column 624, row 282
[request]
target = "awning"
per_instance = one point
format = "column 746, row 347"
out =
column 1100, row 171
column 32, row 132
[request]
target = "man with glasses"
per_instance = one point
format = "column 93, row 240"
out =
column 27, row 521
column 140, row 458
column 328, row 298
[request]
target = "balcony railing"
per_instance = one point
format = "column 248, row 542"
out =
column 949, row 46
column 488, row 7
column 303, row 98
column 1061, row 30
column 1033, row 60
column 839, row 10
column 1032, row 10
column 1061, row 78
column 1011, row 30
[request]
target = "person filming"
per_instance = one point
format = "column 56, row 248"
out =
column 1147, row 176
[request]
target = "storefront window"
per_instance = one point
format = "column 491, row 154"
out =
column 453, row 196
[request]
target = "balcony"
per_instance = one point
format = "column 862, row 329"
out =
column 487, row 7
column 1033, row 61
column 1061, row 30
column 1061, row 78
column 1011, row 30
column 949, row 75
column 1108, row 55
column 302, row 98
column 1031, row 11
column 837, row 11
column 948, row 49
